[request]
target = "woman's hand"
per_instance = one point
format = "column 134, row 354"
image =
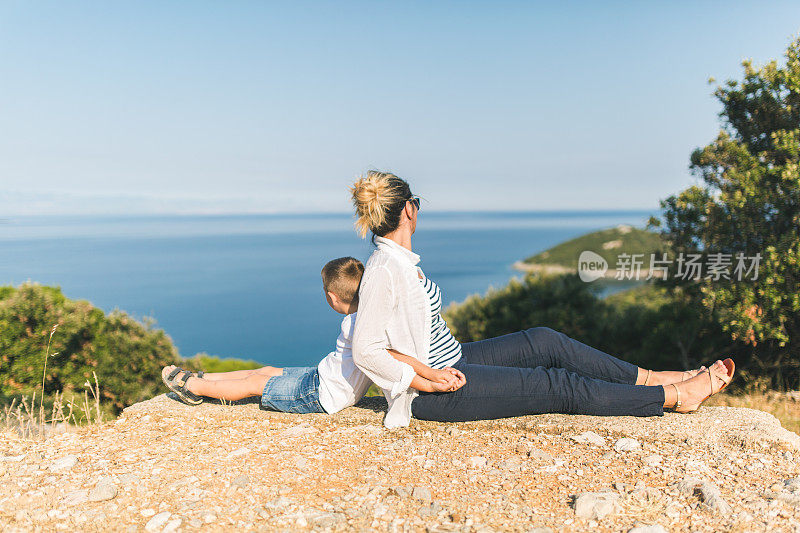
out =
column 446, row 379
column 461, row 379
column 431, row 379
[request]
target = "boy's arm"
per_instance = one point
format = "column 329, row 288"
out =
column 419, row 367
column 451, row 377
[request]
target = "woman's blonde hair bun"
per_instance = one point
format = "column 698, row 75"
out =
column 379, row 198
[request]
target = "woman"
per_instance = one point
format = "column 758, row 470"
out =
column 533, row 371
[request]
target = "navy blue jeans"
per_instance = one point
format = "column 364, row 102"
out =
column 535, row 371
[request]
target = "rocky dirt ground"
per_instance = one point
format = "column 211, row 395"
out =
column 163, row 466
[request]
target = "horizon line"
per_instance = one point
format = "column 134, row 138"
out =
column 178, row 214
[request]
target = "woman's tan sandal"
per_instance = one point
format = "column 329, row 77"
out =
column 724, row 378
column 177, row 384
column 687, row 374
column 731, row 367
column 647, row 379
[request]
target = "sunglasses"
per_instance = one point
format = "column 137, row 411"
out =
column 415, row 201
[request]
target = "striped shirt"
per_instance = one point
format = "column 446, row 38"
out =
column 445, row 349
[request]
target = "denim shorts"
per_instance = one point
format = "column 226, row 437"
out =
column 296, row 391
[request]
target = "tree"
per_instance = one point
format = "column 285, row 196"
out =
column 748, row 202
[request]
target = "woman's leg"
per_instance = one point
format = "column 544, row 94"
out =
column 500, row 391
column 548, row 348
column 504, row 391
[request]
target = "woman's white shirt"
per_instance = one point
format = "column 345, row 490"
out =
column 393, row 312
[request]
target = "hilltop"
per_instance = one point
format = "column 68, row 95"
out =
column 165, row 466
column 607, row 243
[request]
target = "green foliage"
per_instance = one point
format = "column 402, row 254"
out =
column 560, row 302
column 373, row 390
column 212, row 363
column 749, row 202
column 126, row 355
column 608, row 243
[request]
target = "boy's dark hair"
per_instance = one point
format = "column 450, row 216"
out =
column 342, row 277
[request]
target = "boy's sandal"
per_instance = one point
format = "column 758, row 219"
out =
column 177, row 384
column 199, row 373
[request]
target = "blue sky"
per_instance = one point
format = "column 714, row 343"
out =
column 110, row 107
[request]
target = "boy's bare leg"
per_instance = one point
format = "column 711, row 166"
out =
column 239, row 374
column 229, row 389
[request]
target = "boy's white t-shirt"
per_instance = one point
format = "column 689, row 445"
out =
column 341, row 383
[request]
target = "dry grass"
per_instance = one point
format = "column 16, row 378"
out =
column 22, row 417
column 785, row 406
column 76, row 411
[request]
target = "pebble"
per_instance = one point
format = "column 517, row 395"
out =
column 65, row 463
column 653, row 460
column 512, row 463
column 158, row 521
column 477, row 462
column 240, row 481
column 297, row 431
column 627, row 445
column 792, row 485
column 379, row 510
column 596, row 505
column 402, row 492
column 655, row 528
column 75, row 497
column 323, row 520
column 589, row 437
column 367, row 428
column 172, row 525
column 422, row 494
column 280, row 502
column 673, row 510
column 103, row 491
column 129, row 479
column 237, row 453
column 709, row 493
column 541, row 455
column 147, row 512
column 429, row 510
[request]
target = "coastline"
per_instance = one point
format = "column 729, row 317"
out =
column 521, row 266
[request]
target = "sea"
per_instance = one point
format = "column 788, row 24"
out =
column 249, row 286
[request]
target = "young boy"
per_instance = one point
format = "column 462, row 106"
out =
column 334, row 384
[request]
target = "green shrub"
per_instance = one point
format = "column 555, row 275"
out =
column 561, row 302
column 126, row 355
column 212, row 363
